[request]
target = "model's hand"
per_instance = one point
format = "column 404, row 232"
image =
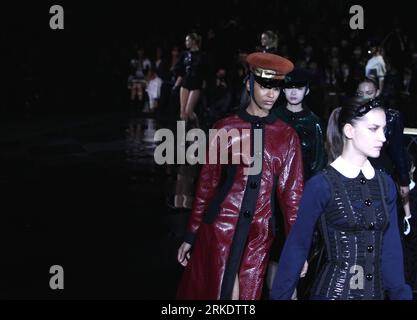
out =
column 184, row 254
column 407, row 226
column 304, row 270
column 294, row 295
column 404, row 191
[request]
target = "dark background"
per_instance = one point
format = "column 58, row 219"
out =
column 103, row 220
column 89, row 57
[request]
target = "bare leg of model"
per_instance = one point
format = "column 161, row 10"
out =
column 140, row 91
column 184, row 190
column 270, row 275
column 235, row 292
column 179, row 193
column 188, row 186
column 184, row 96
column 133, row 90
column 191, row 103
column 179, row 196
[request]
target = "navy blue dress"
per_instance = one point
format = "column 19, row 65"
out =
column 363, row 254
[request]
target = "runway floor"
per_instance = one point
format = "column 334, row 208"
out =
column 84, row 192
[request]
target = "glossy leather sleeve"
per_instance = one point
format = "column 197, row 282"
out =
column 290, row 182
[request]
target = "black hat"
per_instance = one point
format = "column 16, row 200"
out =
column 297, row 78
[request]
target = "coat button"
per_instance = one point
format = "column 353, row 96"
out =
column 369, row 277
column 370, row 248
column 253, row 185
column 258, row 125
column 362, row 180
column 372, row 226
column 368, row 202
column 246, row 214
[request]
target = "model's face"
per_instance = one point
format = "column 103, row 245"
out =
column 367, row 134
column 295, row 95
column 265, row 97
column 366, row 90
column 265, row 41
column 188, row 42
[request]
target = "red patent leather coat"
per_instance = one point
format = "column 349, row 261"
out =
column 232, row 222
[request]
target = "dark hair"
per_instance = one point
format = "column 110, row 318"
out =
column 350, row 112
column 244, row 99
column 377, row 50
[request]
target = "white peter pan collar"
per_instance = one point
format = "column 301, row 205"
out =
column 351, row 171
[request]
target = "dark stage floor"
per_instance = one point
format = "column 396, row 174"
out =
column 84, row 192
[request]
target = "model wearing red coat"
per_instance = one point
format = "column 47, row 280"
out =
column 232, row 220
column 235, row 236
